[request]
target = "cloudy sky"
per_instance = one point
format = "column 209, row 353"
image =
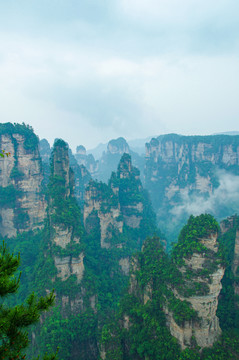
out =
column 88, row 71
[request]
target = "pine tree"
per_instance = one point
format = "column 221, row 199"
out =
column 15, row 320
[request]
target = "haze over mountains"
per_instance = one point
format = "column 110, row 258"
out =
column 198, row 177
column 89, row 228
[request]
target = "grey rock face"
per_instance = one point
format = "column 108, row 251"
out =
column 22, row 173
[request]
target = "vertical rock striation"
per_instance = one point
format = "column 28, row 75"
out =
column 181, row 170
column 198, row 259
column 64, row 216
column 120, row 204
column 22, row 201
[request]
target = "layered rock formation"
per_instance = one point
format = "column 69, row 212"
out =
column 65, row 229
column 173, row 297
column 181, row 170
column 22, row 202
column 99, row 198
column 206, row 330
column 120, row 204
column 200, row 264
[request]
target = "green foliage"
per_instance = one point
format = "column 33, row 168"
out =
column 103, row 193
column 228, row 309
column 3, row 153
column 30, row 139
column 75, row 334
column 16, row 174
column 189, row 239
column 15, row 320
column 8, row 196
column 147, row 336
column 227, row 347
column 21, row 219
column 182, row 172
column 66, row 210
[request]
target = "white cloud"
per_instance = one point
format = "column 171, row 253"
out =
column 223, row 202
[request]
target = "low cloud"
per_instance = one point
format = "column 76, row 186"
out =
column 222, row 202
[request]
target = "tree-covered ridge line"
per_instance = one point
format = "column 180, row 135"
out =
column 142, row 331
column 215, row 140
column 94, row 307
column 102, row 280
column 156, row 269
column 30, row 139
column 17, row 183
column 190, row 172
column 197, row 228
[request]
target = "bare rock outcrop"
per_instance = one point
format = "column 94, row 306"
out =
column 67, row 266
column 202, row 272
column 118, row 204
column 23, row 204
column 99, row 198
column 184, row 170
column 64, row 216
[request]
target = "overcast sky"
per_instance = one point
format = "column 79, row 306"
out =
column 88, row 71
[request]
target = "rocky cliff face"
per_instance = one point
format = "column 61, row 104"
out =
column 230, row 229
column 202, row 271
column 123, row 209
column 118, row 146
column 45, row 153
column 110, row 158
column 82, row 177
column 88, row 161
column 45, row 150
column 206, row 330
column 119, row 204
column 22, row 202
column 173, row 297
column 65, row 235
column 181, row 168
column 99, row 198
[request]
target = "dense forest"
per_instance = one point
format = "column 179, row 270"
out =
column 119, row 293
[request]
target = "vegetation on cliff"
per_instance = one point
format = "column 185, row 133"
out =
column 228, row 307
column 182, row 172
column 15, row 320
column 142, row 331
column 197, row 228
column 30, row 139
column 131, row 323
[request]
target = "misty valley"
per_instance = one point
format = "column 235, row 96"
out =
column 139, row 240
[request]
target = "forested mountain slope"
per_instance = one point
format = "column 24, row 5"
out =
column 119, row 295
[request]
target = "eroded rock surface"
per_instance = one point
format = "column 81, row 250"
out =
column 23, row 203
